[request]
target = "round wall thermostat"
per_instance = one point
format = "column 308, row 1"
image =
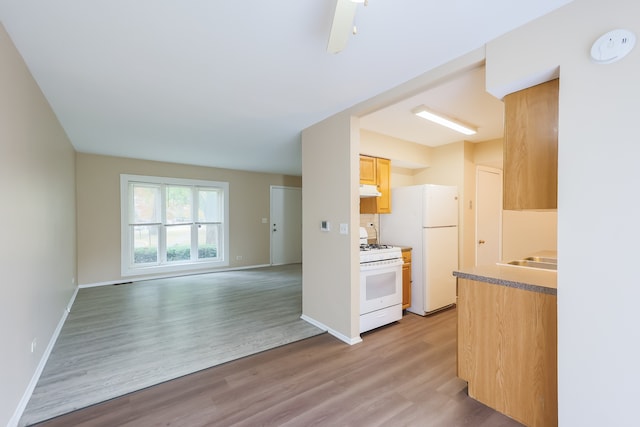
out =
column 612, row 46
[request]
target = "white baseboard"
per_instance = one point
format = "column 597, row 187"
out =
column 129, row 279
column 13, row 422
column 341, row 337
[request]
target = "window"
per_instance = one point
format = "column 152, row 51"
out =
column 171, row 225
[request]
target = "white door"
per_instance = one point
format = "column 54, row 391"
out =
column 488, row 215
column 286, row 225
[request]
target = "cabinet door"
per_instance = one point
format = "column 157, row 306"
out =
column 406, row 279
column 381, row 204
column 507, row 350
column 368, row 170
column 383, row 172
column 531, row 148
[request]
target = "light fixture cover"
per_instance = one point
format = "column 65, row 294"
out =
column 440, row 119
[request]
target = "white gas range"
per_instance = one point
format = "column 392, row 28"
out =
column 380, row 284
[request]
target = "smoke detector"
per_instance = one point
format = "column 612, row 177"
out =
column 612, row 46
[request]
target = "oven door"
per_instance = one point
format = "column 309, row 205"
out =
column 380, row 285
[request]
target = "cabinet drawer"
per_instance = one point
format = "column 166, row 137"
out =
column 378, row 318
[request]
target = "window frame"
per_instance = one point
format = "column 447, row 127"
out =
column 163, row 267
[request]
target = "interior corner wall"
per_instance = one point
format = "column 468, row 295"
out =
column 447, row 166
column 598, row 227
column 98, row 190
column 330, row 273
column 38, row 251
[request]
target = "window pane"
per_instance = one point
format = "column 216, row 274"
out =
column 146, row 204
column 179, row 243
column 208, row 240
column 179, row 202
column 145, row 244
column 209, row 205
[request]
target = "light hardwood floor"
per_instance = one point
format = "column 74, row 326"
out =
column 118, row 339
column 400, row 375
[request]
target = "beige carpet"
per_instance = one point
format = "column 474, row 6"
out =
column 119, row 339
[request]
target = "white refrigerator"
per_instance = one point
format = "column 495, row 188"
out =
column 425, row 218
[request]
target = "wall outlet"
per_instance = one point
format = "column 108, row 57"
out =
column 239, row 258
column 34, row 344
column 344, row 228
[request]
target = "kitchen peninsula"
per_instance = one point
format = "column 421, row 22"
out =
column 507, row 340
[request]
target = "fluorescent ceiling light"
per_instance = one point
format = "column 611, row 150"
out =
column 444, row 121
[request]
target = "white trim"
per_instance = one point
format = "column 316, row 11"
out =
column 168, row 276
column 125, row 269
column 13, row 422
column 341, row 337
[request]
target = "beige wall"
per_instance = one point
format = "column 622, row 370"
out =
column 527, row 232
column 330, row 277
column 403, row 153
column 98, row 192
column 38, row 251
column 467, row 209
column 402, row 177
column 447, row 166
column 488, row 153
column 598, row 227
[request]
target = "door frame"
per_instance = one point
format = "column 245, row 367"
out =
column 479, row 169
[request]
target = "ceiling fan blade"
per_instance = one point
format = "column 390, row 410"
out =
column 342, row 26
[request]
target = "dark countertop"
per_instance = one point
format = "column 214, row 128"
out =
column 530, row 279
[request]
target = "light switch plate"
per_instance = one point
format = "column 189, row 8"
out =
column 344, row 228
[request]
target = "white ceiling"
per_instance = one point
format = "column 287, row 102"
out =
column 232, row 83
column 463, row 98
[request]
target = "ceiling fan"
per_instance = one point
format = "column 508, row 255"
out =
column 342, row 26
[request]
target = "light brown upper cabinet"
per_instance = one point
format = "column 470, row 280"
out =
column 531, row 148
column 376, row 171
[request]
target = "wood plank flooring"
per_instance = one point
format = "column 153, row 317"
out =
column 118, row 339
column 400, row 375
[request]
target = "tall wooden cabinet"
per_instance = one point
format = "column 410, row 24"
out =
column 376, row 171
column 531, row 148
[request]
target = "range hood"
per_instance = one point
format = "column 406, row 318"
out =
column 367, row 190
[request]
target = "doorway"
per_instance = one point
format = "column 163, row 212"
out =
column 286, row 225
column 488, row 215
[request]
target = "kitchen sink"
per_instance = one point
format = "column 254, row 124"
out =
column 535, row 262
column 541, row 259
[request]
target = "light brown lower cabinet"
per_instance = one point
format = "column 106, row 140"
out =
column 406, row 278
column 507, row 350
